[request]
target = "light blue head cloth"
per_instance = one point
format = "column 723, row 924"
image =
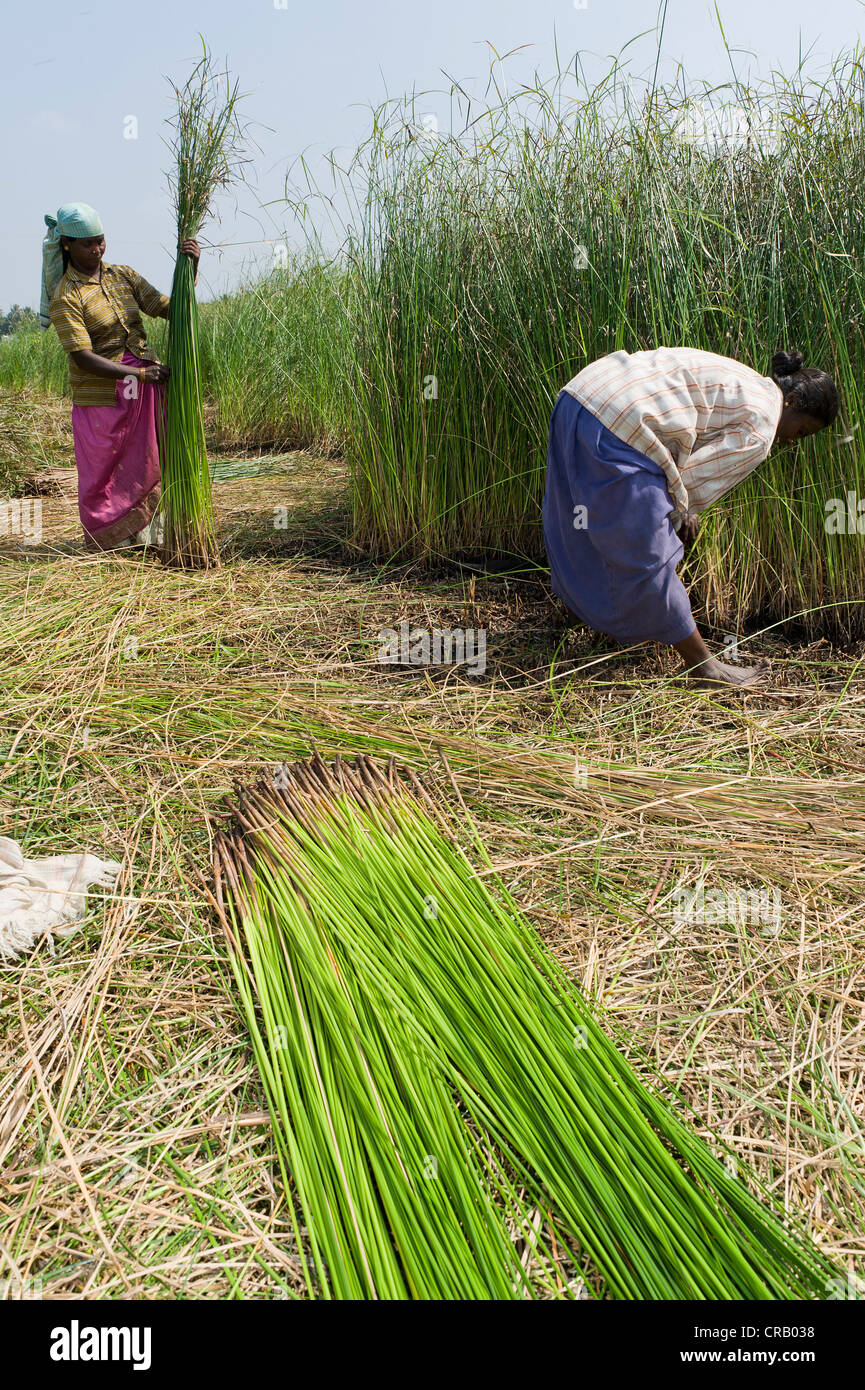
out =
column 75, row 220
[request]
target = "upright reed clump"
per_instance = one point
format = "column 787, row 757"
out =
column 448, row 1112
column 490, row 260
column 206, row 146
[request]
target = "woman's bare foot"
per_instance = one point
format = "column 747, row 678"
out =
column 706, row 669
column 717, row 673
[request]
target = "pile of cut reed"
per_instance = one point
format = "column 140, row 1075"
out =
column 436, row 1083
column 206, row 146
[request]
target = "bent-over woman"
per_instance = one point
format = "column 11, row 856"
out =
column 640, row 445
column 116, row 383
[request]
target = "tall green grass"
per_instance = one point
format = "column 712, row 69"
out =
column 456, row 280
column 494, row 260
column 273, row 357
column 33, row 359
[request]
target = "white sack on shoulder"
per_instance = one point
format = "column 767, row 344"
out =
column 44, row 895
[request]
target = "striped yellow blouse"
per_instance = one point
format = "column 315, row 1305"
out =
column 104, row 315
column 708, row 421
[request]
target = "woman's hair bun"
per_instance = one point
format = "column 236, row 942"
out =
column 786, row 364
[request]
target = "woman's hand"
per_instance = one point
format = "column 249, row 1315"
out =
column 190, row 247
column 155, row 372
column 689, row 530
column 91, row 362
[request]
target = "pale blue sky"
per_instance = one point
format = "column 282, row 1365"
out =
column 74, row 71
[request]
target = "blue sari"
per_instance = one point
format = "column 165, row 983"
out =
column 610, row 542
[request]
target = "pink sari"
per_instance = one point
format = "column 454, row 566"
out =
column 117, row 457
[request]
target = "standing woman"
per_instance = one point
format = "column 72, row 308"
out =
column 640, row 445
column 117, row 386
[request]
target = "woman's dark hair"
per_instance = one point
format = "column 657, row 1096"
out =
column 805, row 388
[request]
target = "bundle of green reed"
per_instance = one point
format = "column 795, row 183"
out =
column 437, row 1083
column 206, row 146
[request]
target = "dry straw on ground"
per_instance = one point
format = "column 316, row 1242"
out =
column 137, row 1158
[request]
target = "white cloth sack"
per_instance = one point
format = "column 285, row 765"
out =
column 44, row 895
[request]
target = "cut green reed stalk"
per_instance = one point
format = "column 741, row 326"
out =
column 396, row 1197
column 400, row 1015
column 206, row 146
